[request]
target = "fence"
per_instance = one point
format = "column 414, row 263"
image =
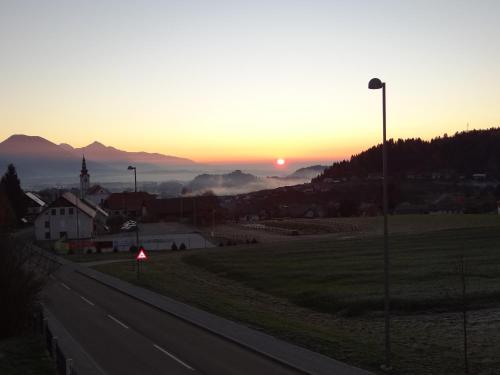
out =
column 64, row 365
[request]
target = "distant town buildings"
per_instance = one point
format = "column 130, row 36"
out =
column 97, row 195
column 127, row 204
column 196, row 209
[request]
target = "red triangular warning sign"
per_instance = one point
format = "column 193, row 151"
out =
column 142, row 255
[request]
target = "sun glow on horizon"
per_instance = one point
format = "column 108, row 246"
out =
column 280, row 162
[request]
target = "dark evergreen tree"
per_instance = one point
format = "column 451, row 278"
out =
column 11, row 186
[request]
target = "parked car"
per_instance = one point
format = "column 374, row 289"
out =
column 129, row 226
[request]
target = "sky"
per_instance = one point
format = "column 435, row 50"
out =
column 220, row 81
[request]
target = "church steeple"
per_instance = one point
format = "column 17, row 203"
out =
column 84, row 179
column 84, row 166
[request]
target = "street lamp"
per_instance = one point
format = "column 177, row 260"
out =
column 376, row 84
column 135, row 176
column 135, row 189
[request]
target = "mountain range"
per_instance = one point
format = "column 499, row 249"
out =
column 98, row 152
column 37, row 158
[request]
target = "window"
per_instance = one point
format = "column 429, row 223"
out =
column 47, row 224
column 63, row 234
column 53, row 212
column 47, row 235
column 61, row 211
column 70, row 211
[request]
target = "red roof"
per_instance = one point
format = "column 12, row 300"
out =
column 178, row 206
column 127, row 201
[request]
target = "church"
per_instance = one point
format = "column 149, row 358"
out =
column 70, row 217
column 96, row 194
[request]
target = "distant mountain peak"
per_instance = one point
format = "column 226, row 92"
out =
column 66, row 146
column 32, row 145
column 25, row 138
column 97, row 145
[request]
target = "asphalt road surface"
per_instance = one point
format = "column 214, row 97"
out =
column 125, row 336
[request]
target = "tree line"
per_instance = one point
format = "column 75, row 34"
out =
column 463, row 154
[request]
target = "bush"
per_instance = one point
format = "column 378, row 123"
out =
column 182, row 247
column 174, row 247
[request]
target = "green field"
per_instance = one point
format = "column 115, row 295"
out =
column 326, row 294
column 25, row 355
column 345, row 276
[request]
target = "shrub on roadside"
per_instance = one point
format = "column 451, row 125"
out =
column 23, row 273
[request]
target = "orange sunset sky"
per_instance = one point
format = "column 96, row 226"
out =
column 247, row 81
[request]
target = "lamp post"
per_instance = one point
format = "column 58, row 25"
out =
column 135, row 176
column 135, row 190
column 376, row 84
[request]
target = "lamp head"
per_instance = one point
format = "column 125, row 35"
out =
column 130, row 168
column 375, row 84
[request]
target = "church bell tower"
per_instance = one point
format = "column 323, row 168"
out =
column 84, row 179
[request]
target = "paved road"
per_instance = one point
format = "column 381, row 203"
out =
column 125, row 336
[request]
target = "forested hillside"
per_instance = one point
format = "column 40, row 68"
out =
column 462, row 154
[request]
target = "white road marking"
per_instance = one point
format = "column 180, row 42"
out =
column 64, row 285
column 173, row 357
column 86, row 300
column 117, row 321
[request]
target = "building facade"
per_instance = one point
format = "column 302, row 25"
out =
column 66, row 218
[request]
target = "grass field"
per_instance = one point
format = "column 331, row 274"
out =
column 326, row 293
column 25, row 355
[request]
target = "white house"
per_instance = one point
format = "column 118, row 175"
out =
column 67, row 217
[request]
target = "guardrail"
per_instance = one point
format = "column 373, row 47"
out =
column 64, row 364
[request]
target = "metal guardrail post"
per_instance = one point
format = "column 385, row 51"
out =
column 69, row 366
column 54, row 346
column 45, row 326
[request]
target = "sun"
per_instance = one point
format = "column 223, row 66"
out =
column 280, row 161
